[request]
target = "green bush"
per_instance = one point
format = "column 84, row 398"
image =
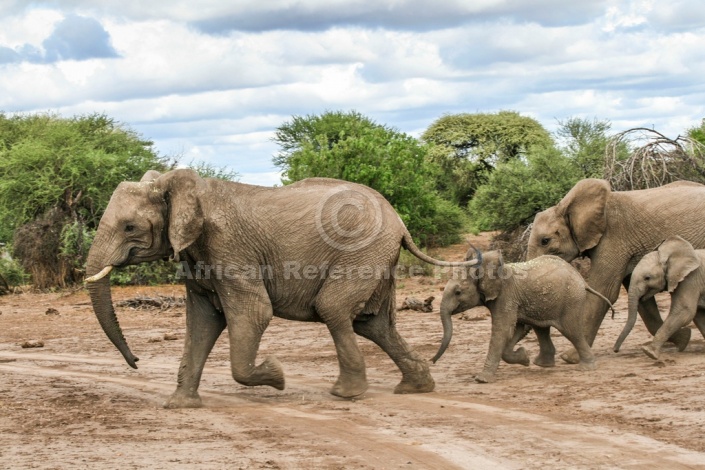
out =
column 518, row 189
column 350, row 147
column 12, row 272
column 146, row 274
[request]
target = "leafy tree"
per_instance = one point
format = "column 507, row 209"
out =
column 71, row 163
column 467, row 147
column 584, row 142
column 351, row 147
column 517, row 189
column 698, row 133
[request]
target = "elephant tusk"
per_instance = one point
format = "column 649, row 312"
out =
column 104, row 272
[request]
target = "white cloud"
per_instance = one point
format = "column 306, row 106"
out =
column 212, row 80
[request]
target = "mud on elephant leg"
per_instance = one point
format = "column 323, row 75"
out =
column 203, row 327
column 547, row 352
column 416, row 376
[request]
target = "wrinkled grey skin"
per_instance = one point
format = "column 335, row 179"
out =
column 679, row 269
column 334, row 231
column 542, row 293
column 615, row 229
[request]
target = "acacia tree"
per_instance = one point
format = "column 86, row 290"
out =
column 56, row 177
column 467, row 147
column 352, row 147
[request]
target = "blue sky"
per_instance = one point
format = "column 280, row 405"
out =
column 210, row 80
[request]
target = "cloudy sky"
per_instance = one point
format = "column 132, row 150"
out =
column 211, row 79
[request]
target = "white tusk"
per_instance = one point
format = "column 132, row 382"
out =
column 104, row 272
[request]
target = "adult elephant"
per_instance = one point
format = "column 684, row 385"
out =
column 615, row 230
column 318, row 250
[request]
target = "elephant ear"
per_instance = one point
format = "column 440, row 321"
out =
column 490, row 283
column 584, row 211
column 678, row 258
column 182, row 190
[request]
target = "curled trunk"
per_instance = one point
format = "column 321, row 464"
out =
column 101, row 299
column 631, row 319
column 447, row 322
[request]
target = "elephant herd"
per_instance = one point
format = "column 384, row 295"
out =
column 326, row 250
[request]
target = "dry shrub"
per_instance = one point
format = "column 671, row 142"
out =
column 653, row 160
column 513, row 243
column 37, row 245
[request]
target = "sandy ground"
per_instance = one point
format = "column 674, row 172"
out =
column 75, row 403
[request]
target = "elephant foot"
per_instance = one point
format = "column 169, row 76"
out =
column 681, row 338
column 519, row 356
column 586, row 366
column 571, row 357
column 349, row 388
column 651, row 352
column 407, row 386
column 545, row 360
column 270, row 373
column 179, row 400
column 484, row 378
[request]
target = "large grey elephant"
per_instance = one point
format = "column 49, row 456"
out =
column 615, row 230
column 319, row 250
column 679, row 269
column 542, row 293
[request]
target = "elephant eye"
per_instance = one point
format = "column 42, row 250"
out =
column 457, row 292
column 545, row 241
column 647, row 278
column 129, row 228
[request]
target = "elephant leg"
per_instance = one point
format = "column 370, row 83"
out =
column 573, row 331
column 503, row 325
column 678, row 318
column 520, row 356
column 204, row 324
column 335, row 309
column 547, row 352
column 248, row 314
column 381, row 330
column 648, row 310
column 699, row 321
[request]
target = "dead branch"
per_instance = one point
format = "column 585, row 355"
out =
column 641, row 158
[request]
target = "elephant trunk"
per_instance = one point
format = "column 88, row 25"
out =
column 447, row 322
column 101, row 299
column 631, row 319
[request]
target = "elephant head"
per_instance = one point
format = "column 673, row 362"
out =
column 478, row 284
column 573, row 225
column 658, row 271
column 146, row 221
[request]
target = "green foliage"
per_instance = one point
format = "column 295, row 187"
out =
column 11, row 271
column 207, row 170
column 520, row 188
column 584, row 142
column 698, row 133
column 467, row 147
column 158, row 272
column 351, row 147
column 71, row 163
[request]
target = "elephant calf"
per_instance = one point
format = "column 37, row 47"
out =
column 544, row 292
column 680, row 269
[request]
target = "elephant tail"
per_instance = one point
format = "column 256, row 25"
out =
column 593, row 291
column 408, row 243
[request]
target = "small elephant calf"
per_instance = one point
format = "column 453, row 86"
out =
column 680, row 269
column 544, row 292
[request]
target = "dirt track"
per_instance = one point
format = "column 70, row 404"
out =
column 76, row 404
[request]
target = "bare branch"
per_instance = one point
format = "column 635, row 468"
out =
column 641, row 158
